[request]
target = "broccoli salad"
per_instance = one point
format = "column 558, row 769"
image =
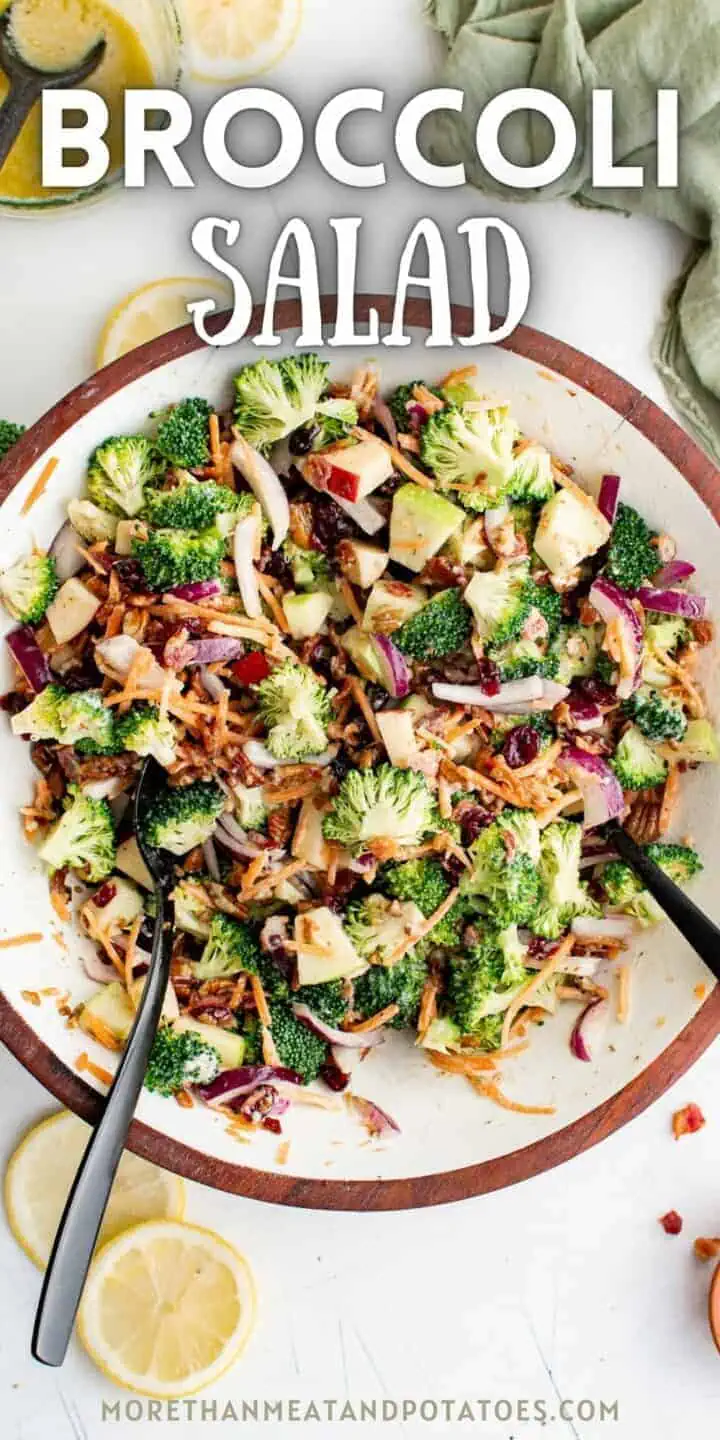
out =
column 400, row 668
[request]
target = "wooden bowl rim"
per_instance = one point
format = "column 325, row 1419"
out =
column 413, row 1191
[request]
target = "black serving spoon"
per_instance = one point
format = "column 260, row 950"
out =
column 27, row 83
column 82, row 1217
column 699, row 931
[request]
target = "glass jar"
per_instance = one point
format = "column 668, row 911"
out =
column 143, row 50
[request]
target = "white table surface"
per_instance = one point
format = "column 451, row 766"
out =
column 565, row 1286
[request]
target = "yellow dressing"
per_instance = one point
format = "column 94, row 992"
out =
column 54, row 34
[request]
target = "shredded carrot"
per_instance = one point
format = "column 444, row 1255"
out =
column 623, row 1002
column 253, row 872
column 491, row 1089
column 100, row 1031
column 270, row 882
column 458, row 377
column 375, row 1021
column 428, row 1005
column 695, row 702
column 82, row 1062
column 40, row 485
column 424, row 929
column 273, row 605
column 215, row 453
column 552, row 964
column 460, row 1064
column 184, row 1100
column 399, row 460
column 358, row 692
column 103, row 1076
column 260, row 999
column 670, row 798
column 282, row 1153
column 31, row 938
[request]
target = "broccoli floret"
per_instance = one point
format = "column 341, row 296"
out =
column 296, row 709
column 655, row 717
column 504, row 871
column 521, row 658
column 231, row 948
column 119, row 472
column 275, row 397
column 86, row 721
column 680, row 862
column 503, row 724
column 177, row 819
column 310, row 569
column 328, row 1002
column 179, row 1058
column 483, row 981
column 547, row 602
column 625, row 892
column 27, row 588
column 377, row 926
column 179, row 557
column 400, row 984
column 605, row 669
column 402, row 400
column 425, row 883
column 563, row 893
column 146, row 732
column 532, row 476
column 92, row 523
column 183, row 436
column 440, row 628
column 470, row 448
column 298, row 1047
column 196, row 504
column 632, row 557
column 250, row 808
column 334, row 419
column 40, row 720
column 84, row 839
column 576, row 649
column 383, row 804
column 636, row 762
column 665, row 632
column 193, row 910
column 500, row 602
column 253, row 1039
column 9, row 434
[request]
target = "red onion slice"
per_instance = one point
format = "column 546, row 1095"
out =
column 366, row 515
column 99, row 970
column 614, row 607
column 258, row 754
column 608, row 498
column 601, row 790
column 348, row 1039
column 29, row 657
column 265, row 485
column 245, row 544
column 384, row 416
column 213, row 650
column 672, row 573
column 671, row 602
column 230, row 1084
column 211, row 860
column 589, row 1029
column 494, row 521
column 197, row 590
column 376, row 1121
column 120, row 651
column 66, row 553
column 396, row 672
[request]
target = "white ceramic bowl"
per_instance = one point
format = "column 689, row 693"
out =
column 453, row 1143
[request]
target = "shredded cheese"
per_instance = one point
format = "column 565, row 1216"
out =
column 358, row 691
column 33, row 937
column 623, row 1000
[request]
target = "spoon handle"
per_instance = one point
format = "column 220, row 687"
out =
column 14, row 111
column 699, row 931
column 78, row 1231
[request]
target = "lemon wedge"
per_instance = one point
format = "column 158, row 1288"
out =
column 167, row 1308
column 154, row 310
column 234, row 39
column 41, row 1172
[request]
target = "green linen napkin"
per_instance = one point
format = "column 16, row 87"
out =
column 633, row 47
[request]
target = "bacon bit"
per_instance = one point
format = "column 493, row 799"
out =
column 552, row 964
column 492, row 1091
column 706, row 1247
column 672, row 1223
column 348, row 594
column 623, row 999
column 427, row 925
column 31, row 997
column 687, row 1121
column 273, row 605
column 399, row 461
column 40, row 485
column 184, row 1100
column 375, row 1021
column 31, row 938
column 260, row 999
column 358, row 692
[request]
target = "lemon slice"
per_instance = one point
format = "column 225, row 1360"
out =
column 41, row 1172
column 154, row 310
column 167, row 1308
column 234, row 39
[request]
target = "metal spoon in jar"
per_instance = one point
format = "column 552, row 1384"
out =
column 27, row 83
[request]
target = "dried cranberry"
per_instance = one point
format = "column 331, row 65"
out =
column 252, row 668
column 672, row 1222
column 453, row 867
column 130, row 573
column 14, row 702
column 330, row 525
column 272, row 562
column 472, row 821
column 597, row 691
column 334, row 1077
column 522, row 746
column 302, row 440
column 488, row 676
column 270, row 1123
column 336, row 895
column 341, row 765
column 81, row 677
column 538, row 948
column 104, row 895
